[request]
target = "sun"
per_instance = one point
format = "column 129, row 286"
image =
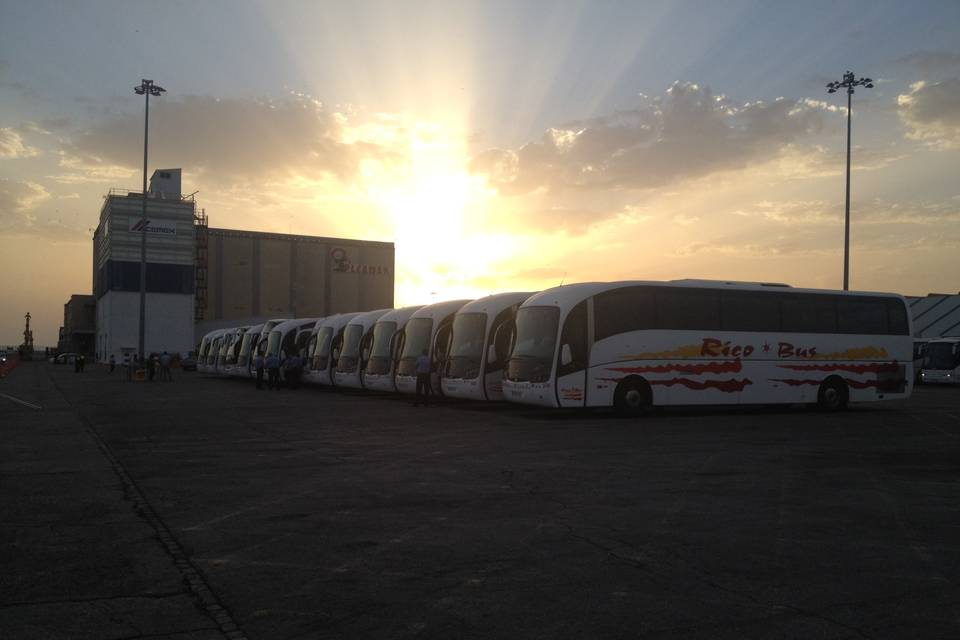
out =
column 436, row 208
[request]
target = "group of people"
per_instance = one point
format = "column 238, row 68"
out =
column 271, row 365
column 159, row 365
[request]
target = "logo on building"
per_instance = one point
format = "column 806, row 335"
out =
column 342, row 264
column 153, row 226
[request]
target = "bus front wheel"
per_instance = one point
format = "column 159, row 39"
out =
column 833, row 394
column 632, row 397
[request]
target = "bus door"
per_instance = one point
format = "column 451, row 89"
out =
column 574, row 355
column 396, row 348
column 499, row 344
column 439, row 351
column 366, row 344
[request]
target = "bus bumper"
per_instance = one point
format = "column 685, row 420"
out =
column 540, row 394
column 460, row 388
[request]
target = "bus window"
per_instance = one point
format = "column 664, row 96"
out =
column 501, row 335
column 861, row 315
column 808, row 314
column 749, row 311
column 574, row 338
column 897, row 317
column 622, row 310
column 682, row 308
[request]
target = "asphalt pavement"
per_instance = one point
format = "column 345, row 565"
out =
column 203, row 508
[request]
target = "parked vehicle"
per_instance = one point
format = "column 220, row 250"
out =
column 381, row 366
column 357, row 343
column 631, row 345
column 248, row 346
column 209, row 350
column 941, row 362
column 229, row 348
column 427, row 329
column 480, row 347
column 326, row 349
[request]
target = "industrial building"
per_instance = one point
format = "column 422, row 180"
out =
column 252, row 276
column 170, row 275
column 199, row 278
column 78, row 333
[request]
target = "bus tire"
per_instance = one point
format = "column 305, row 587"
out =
column 632, row 396
column 833, row 394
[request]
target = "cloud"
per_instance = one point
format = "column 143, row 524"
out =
column 17, row 199
column 12, row 145
column 931, row 113
column 688, row 133
column 229, row 141
column 870, row 212
column 930, row 61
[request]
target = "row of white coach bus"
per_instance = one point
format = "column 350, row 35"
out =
column 628, row 345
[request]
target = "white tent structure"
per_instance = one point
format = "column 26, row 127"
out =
column 935, row 315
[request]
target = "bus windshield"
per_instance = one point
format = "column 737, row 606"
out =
column 379, row 362
column 351, row 348
column 273, row 343
column 322, row 353
column 941, row 355
column 532, row 355
column 417, row 333
column 466, row 350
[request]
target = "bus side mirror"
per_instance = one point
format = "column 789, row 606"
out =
column 566, row 355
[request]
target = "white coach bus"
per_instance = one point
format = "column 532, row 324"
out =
column 357, row 338
column 229, row 350
column 382, row 364
column 631, row 345
column 324, row 351
column 480, row 346
column 282, row 341
column 209, row 350
column 248, row 345
column 427, row 329
column 941, row 362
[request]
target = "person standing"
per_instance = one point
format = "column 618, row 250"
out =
column 126, row 366
column 165, row 361
column 423, row 380
column 258, row 365
column 83, row 361
column 273, row 371
column 113, row 363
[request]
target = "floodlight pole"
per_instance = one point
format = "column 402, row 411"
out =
column 849, row 82
column 146, row 89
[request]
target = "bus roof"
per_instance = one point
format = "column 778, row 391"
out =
column 400, row 316
column 337, row 321
column 496, row 302
column 367, row 318
column 297, row 323
column 439, row 309
column 573, row 293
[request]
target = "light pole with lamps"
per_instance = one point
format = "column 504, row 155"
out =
column 849, row 82
column 145, row 89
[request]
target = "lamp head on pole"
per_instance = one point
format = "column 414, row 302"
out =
column 849, row 82
column 147, row 86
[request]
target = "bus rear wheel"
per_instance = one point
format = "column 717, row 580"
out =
column 632, row 397
column 833, row 394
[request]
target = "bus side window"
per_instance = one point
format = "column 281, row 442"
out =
column 574, row 339
column 501, row 333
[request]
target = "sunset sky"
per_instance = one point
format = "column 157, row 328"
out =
column 501, row 145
